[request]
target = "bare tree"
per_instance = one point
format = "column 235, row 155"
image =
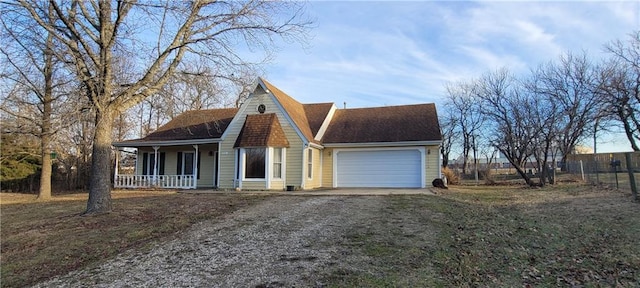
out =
column 507, row 110
column 620, row 86
column 32, row 67
column 449, row 135
column 570, row 85
column 462, row 106
column 94, row 33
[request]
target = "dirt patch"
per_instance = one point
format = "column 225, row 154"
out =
column 283, row 242
column 44, row 239
column 464, row 237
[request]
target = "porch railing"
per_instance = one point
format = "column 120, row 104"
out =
column 150, row 181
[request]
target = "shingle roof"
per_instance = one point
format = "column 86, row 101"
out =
column 384, row 124
column 316, row 113
column 361, row 125
column 295, row 110
column 262, row 130
column 196, row 124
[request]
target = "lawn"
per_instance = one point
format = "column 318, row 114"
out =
column 490, row 236
column 467, row 236
column 41, row 240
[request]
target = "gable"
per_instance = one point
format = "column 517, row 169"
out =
column 384, row 124
column 294, row 109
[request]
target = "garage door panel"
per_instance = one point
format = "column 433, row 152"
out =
column 379, row 168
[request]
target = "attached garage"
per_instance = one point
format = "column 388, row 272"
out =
column 384, row 168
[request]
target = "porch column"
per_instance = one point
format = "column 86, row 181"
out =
column 155, row 165
column 115, row 173
column 195, row 167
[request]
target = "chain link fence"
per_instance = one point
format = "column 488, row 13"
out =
column 619, row 170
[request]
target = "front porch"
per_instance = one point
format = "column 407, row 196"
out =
column 151, row 181
column 169, row 166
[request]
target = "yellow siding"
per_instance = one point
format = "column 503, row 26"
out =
column 327, row 168
column 315, row 180
column 432, row 162
column 277, row 185
column 228, row 154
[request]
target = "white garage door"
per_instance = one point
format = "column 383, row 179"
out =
column 379, row 168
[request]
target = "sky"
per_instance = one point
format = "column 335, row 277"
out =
column 386, row 53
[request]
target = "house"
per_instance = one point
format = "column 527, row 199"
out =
column 273, row 142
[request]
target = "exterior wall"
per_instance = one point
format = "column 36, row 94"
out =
column 207, row 164
column 327, row 168
column 253, row 185
column 228, row 153
column 316, row 169
column 432, row 163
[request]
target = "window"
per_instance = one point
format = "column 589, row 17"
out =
column 148, row 162
column 277, row 163
column 254, row 163
column 187, row 163
column 310, row 163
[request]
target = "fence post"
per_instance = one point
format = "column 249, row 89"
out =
column 582, row 170
column 632, row 179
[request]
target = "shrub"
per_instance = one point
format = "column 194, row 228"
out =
column 452, row 177
column 487, row 175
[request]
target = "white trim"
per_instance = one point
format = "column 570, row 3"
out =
column 309, row 161
column 216, row 166
column 272, row 150
column 284, row 168
column 304, row 165
column 321, row 166
column 317, row 146
column 155, row 162
column 166, row 142
column 421, row 149
column 195, row 166
column 115, row 172
column 325, row 123
column 237, row 160
column 384, row 144
column 135, row 170
column 267, row 171
column 439, row 163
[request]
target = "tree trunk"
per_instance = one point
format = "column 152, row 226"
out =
column 45, row 133
column 628, row 131
column 45, row 174
column 524, row 175
column 100, row 185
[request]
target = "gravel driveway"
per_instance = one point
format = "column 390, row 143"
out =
column 281, row 242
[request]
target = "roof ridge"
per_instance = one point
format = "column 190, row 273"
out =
column 294, row 109
column 391, row 106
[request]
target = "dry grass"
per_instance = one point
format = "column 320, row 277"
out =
column 495, row 236
column 44, row 239
column 482, row 236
